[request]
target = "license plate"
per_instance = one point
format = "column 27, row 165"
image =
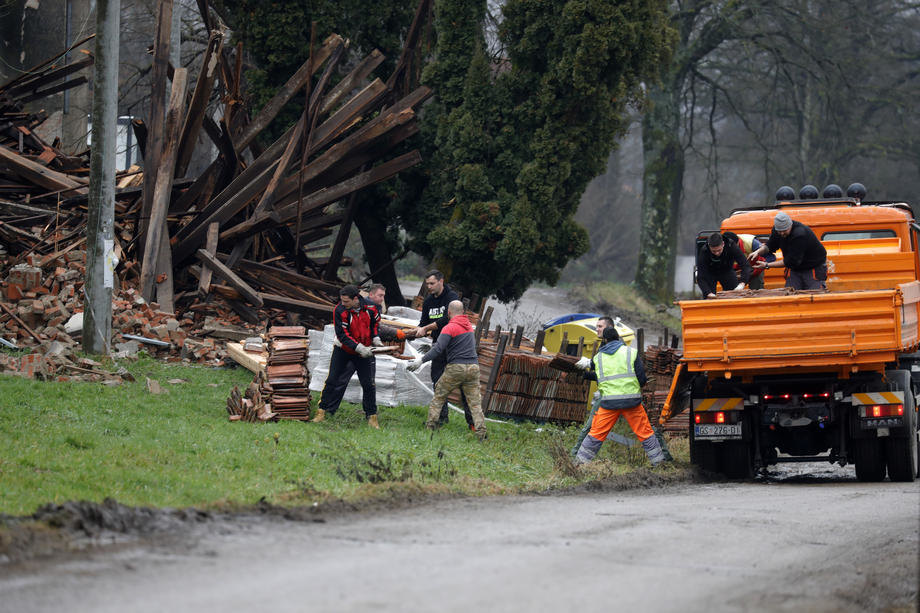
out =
column 717, row 431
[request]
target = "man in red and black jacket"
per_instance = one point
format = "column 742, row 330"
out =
column 356, row 324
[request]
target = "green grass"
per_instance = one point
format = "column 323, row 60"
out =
column 87, row 441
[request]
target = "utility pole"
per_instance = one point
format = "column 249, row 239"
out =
column 100, row 239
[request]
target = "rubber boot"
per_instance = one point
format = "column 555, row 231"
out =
column 663, row 442
column 320, row 416
column 372, row 422
column 653, row 451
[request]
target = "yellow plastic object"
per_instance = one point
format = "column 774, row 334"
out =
column 582, row 328
column 847, row 331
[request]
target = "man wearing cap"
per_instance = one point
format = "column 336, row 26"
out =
column 715, row 263
column 804, row 257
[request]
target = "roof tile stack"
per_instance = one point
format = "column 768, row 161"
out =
column 286, row 386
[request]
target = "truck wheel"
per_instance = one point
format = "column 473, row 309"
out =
column 870, row 460
column 901, row 452
column 737, row 460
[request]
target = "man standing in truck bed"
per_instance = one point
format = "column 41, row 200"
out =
column 804, row 257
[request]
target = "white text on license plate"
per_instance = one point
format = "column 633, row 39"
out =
column 717, row 430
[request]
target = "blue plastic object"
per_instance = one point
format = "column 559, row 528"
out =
column 564, row 319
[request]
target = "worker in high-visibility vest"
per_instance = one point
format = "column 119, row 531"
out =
column 620, row 376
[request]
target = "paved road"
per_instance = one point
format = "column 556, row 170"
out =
column 779, row 546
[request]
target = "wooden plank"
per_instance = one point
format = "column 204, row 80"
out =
column 40, row 175
column 375, row 175
column 493, row 374
column 199, row 103
column 204, row 281
column 254, row 362
column 299, row 306
column 155, row 122
column 255, row 224
column 286, row 92
column 156, row 228
column 351, row 81
column 291, row 277
column 230, row 277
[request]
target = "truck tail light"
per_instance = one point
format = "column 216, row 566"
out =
column 881, row 410
column 720, row 417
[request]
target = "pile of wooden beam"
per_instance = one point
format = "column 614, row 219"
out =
column 239, row 240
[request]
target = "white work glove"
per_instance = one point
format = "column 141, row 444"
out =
column 364, row 351
column 415, row 365
column 583, row 363
column 377, row 342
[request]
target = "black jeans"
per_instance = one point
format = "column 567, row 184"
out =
column 341, row 366
column 437, row 369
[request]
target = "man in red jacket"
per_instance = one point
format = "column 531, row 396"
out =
column 356, row 322
column 456, row 345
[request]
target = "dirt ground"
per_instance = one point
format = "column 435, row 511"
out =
column 813, row 540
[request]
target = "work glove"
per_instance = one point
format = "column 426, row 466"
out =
column 415, row 365
column 364, row 351
column 400, row 335
column 583, row 363
column 377, row 342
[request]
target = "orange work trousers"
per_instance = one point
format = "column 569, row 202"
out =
column 604, row 419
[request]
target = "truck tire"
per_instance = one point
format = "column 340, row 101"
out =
column 737, row 460
column 870, row 459
column 900, row 451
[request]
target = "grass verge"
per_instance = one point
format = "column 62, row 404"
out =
column 620, row 298
column 87, row 441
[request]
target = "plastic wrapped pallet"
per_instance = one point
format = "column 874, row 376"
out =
column 395, row 386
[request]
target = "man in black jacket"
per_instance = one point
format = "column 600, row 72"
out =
column 804, row 257
column 434, row 318
column 715, row 264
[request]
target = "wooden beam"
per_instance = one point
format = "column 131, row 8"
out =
column 374, row 175
column 351, row 81
column 155, row 122
column 287, row 91
column 255, row 224
column 299, row 306
column 199, row 103
column 251, row 295
column 40, row 175
column 292, row 277
column 204, row 281
column 156, row 228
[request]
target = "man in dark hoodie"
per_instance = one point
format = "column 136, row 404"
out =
column 715, row 262
column 804, row 257
column 620, row 375
column 456, row 345
column 434, row 318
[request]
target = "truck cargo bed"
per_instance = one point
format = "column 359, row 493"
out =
column 821, row 331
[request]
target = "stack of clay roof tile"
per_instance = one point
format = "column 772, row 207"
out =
column 660, row 364
column 241, row 238
column 524, row 384
column 286, row 384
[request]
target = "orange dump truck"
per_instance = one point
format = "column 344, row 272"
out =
column 783, row 376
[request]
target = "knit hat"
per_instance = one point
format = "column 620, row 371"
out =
column 782, row 222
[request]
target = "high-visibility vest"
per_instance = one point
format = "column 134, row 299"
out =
column 616, row 378
column 747, row 243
